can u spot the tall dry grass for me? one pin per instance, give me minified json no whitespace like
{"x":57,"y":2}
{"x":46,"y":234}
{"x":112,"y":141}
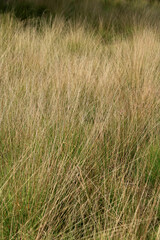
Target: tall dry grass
{"x":79,"y":132}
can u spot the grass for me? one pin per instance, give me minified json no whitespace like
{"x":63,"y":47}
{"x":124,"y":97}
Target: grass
{"x":79,"y":126}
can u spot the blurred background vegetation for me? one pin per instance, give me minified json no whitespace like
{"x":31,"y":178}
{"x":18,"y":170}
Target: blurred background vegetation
{"x":105,"y":16}
{"x":24,"y":9}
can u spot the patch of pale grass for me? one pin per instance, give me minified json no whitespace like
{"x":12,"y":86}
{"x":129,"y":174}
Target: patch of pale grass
{"x":79,"y":133}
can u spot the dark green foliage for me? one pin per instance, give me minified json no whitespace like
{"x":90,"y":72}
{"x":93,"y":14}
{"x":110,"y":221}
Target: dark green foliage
{"x":23,"y":10}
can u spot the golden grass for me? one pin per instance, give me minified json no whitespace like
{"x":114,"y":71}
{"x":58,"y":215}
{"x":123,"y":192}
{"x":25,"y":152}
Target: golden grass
{"x":79,"y":132}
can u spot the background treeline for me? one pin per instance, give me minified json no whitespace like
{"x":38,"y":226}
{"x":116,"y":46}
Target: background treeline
{"x":29,"y":8}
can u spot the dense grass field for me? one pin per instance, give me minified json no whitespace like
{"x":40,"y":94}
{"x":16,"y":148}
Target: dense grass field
{"x":80,"y":124}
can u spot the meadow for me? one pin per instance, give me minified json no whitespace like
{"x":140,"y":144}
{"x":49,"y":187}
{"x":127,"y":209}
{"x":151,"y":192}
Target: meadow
{"x":80,"y":122}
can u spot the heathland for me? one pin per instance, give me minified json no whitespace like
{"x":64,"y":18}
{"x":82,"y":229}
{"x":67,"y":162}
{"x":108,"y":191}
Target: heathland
{"x":80,"y":121}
